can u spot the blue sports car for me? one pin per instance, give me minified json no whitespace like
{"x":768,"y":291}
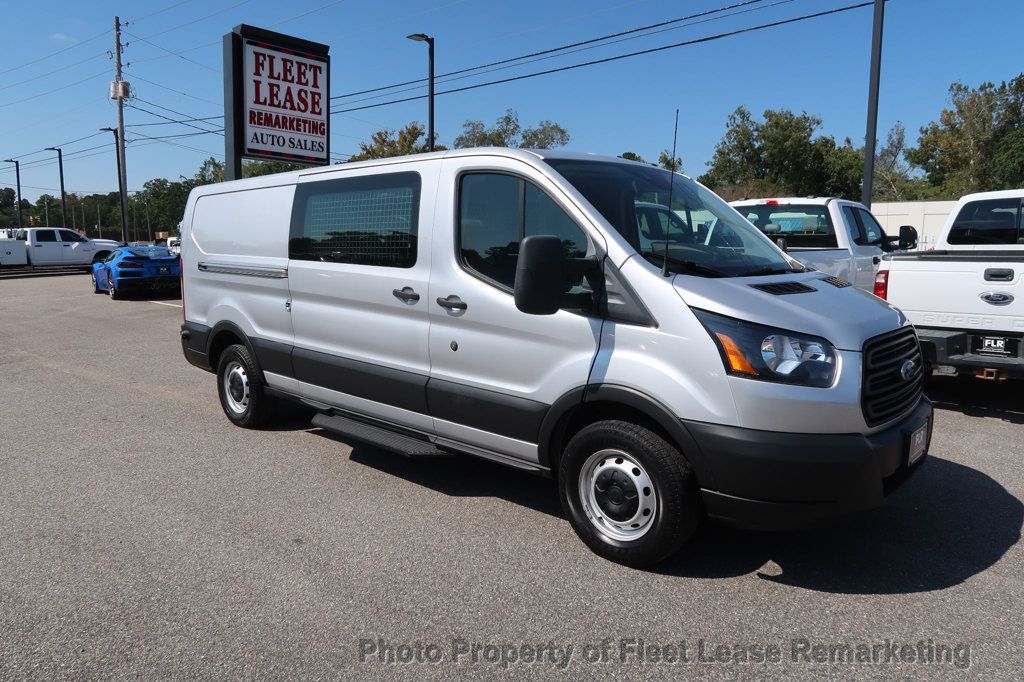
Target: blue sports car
{"x":136,"y":269}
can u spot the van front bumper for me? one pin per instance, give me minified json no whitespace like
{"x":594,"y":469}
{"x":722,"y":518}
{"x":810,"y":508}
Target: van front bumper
{"x":768,"y":480}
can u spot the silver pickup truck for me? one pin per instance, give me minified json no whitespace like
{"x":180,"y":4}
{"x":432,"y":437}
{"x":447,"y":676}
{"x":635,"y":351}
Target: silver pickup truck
{"x":835,"y":236}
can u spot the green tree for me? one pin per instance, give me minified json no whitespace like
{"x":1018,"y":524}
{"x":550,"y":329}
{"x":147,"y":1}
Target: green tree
{"x":632,"y":156}
{"x":971,"y":147}
{"x":508,"y":132}
{"x":668,"y":162}
{"x":387,"y":143}
{"x":782,"y":155}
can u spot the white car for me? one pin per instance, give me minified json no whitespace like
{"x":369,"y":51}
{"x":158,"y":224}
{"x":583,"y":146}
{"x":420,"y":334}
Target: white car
{"x":836,"y":236}
{"x":966,"y":297}
{"x":505,"y":304}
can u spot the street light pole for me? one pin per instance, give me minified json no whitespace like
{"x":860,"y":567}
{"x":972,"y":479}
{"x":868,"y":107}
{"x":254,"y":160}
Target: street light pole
{"x":17,"y":175}
{"x":424,"y":38}
{"x":121,"y":186}
{"x":63,"y":196}
{"x":872,"y":131}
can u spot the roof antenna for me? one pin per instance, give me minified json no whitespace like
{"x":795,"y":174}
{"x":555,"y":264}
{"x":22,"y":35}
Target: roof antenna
{"x":671,"y":184}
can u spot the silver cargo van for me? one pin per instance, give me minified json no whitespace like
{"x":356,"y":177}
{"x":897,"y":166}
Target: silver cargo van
{"x":517,"y":306}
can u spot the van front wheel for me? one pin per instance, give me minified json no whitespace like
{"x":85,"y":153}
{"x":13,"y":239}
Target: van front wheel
{"x":629,"y":495}
{"x":240,"y":387}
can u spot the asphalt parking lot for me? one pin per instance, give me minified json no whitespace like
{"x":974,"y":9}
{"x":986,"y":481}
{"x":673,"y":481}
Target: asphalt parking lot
{"x":143,"y":535}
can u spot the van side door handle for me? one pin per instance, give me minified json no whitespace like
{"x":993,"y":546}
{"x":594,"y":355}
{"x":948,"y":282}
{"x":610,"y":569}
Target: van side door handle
{"x":452,"y":302}
{"x":406,"y":294}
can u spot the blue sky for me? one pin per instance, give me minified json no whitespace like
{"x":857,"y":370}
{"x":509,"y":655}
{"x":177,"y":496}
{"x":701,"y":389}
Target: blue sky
{"x":819,"y":66}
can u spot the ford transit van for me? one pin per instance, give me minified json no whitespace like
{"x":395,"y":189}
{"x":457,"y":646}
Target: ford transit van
{"x":531,"y":308}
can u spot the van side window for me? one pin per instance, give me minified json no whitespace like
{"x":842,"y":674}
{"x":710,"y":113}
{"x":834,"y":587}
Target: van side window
{"x":369,"y":220}
{"x":495,"y":212}
{"x":990,"y":221}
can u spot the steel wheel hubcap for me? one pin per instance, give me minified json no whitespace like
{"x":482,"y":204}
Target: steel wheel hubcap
{"x":617,"y":495}
{"x":236,"y":388}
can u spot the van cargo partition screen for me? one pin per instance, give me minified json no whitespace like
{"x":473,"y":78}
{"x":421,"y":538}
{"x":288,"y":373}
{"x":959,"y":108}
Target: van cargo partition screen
{"x":276,"y":99}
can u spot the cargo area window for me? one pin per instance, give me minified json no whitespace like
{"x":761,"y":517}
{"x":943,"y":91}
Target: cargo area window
{"x":495,"y":212}
{"x":368,"y":220}
{"x":991,"y":221}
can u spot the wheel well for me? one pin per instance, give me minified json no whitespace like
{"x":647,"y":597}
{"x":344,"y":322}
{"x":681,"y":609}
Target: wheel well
{"x":591,"y":412}
{"x":221,"y":340}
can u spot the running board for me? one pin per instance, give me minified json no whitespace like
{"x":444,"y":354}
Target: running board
{"x":376,"y":436}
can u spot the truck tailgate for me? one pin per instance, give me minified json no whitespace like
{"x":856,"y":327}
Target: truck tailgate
{"x":959,"y":290}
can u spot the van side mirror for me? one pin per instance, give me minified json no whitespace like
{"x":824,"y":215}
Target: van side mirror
{"x":908,"y":238}
{"x":540,"y":275}
{"x":782,"y":243}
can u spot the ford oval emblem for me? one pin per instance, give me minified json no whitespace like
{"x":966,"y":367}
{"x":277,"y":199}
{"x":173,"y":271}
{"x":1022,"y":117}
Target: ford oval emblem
{"x":907,"y":370}
{"x":997,"y":298}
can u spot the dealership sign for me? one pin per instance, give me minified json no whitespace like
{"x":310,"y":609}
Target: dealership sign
{"x":276,"y":98}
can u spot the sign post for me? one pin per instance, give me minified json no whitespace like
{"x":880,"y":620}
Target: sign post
{"x":276,"y":99}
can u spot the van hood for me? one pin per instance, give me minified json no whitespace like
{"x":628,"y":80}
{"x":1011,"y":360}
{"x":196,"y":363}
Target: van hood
{"x":845,"y":316}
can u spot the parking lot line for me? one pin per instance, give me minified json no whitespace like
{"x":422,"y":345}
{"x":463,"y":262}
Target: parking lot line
{"x":173,"y":305}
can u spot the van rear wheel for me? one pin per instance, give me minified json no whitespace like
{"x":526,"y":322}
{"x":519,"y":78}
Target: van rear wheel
{"x":629,"y":495}
{"x":241,"y":389}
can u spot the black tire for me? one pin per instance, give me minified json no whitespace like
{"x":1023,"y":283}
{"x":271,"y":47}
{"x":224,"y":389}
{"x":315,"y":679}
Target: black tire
{"x":115,"y":295}
{"x":259,"y":407}
{"x":676,"y":512}
{"x":95,"y":287}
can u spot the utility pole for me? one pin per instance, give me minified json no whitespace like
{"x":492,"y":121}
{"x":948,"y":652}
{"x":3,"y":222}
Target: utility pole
{"x":46,"y":210}
{"x":99,"y":224}
{"x":872,"y":131}
{"x":120,"y":183}
{"x":429,"y":40}
{"x":74,"y":223}
{"x":17,"y":175}
{"x":119,"y":90}
{"x":63,"y":196}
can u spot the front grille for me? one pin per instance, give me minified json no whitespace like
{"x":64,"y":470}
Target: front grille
{"x":886,"y":393}
{"x":783,"y":288}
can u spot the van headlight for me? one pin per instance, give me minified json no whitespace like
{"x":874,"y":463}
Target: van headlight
{"x":758,"y":352}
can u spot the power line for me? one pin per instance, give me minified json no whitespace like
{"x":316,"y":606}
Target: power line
{"x":80,"y":43}
{"x":557,"y":49}
{"x":690,"y":24}
{"x":627,"y":55}
{"x":160,"y":11}
{"x":54,"y":53}
{"x":59,"y":144}
{"x":58,"y":89}
{"x":172,"y":53}
{"x":167,"y":123}
{"x":178,"y":144}
{"x":169,"y":119}
{"x":136,"y":76}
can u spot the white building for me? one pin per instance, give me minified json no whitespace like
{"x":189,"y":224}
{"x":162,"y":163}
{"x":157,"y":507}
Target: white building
{"x":927,"y":216}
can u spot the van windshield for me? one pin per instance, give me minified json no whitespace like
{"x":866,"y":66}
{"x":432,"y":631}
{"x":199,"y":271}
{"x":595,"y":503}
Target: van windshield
{"x":699,"y":235}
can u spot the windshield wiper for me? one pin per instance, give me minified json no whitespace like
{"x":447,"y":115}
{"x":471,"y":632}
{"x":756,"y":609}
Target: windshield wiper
{"x":770,"y":270}
{"x":689,"y":267}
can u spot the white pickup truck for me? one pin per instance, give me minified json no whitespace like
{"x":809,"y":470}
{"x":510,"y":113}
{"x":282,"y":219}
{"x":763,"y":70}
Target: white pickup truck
{"x":966,"y":297}
{"x":835,"y":236}
{"x":52,"y":247}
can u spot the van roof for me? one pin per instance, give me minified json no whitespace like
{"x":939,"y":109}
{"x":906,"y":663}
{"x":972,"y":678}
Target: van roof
{"x":290,"y":177}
